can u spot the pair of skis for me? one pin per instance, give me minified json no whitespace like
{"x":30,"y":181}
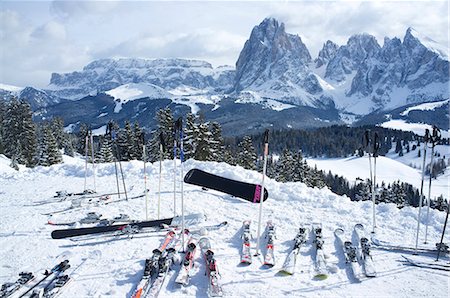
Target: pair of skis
{"x":51,"y":284}
{"x":93,"y":218}
{"x":359,"y":256}
{"x":246,"y":255}
{"x":10,"y":288}
{"x":320,"y":263}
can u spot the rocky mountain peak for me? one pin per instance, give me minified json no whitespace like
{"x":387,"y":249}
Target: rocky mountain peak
{"x":327,"y":53}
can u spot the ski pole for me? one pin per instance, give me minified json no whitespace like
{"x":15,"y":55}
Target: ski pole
{"x":109,"y":131}
{"x":443,"y":232}
{"x":86,"y":144}
{"x":261,"y":196}
{"x":174,"y":169}
{"x":161,"y":150}
{"x":144,"y":157}
{"x":376,"y":147}
{"x":426,"y":138}
{"x":434,"y":140}
{"x":93,"y":160}
{"x":180,"y":128}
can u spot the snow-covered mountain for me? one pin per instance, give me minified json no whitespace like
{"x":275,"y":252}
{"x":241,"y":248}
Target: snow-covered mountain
{"x":106,"y":74}
{"x":37,"y":98}
{"x":274,"y":73}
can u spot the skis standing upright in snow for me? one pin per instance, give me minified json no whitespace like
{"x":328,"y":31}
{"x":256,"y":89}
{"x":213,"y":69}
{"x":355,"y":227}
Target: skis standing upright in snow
{"x":214,"y":286}
{"x":350,"y":253}
{"x":246,"y":257}
{"x":364,"y":246}
{"x":269,"y":256}
{"x":291,"y":259}
{"x":320,"y":262}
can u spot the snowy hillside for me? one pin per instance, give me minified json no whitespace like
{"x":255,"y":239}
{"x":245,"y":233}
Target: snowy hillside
{"x":108,"y":266}
{"x":390,"y":168}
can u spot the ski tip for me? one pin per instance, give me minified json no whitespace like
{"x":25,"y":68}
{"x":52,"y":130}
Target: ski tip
{"x":339,"y":232}
{"x":321,"y":276}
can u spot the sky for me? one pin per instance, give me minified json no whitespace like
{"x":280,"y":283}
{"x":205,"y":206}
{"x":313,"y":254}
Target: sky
{"x":38,"y":38}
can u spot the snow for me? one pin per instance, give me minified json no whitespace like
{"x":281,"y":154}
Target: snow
{"x":108,"y":266}
{"x":430,"y":44}
{"x":390,"y":168}
{"x":425,"y":107}
{"x":99,"y":131}
{"x":417,"y":128}
{"x":10,"y":88}
{"x":133,"y":91}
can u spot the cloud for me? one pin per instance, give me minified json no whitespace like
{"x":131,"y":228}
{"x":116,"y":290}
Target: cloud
{"x":50,"y":31}
{"x":66,"y":10}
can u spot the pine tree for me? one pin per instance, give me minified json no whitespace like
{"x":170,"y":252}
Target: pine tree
{"x":190,"y":136}
{"x":165,"y":124}
{"x":217,"y":142}
{"x":247,"y":154}
{"x":106,"y":152}
{"x":139,"y":140}
{"x":204,"y":140}
{"x":285,"y":167}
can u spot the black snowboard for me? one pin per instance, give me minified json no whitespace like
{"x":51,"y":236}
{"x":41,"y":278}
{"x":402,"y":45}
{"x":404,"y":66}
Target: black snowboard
{"x":247,"y":191}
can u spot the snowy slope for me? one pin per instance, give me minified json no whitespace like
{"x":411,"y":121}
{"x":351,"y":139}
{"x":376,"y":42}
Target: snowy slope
{"x":107,"y":266}
{"x":390,"y":168}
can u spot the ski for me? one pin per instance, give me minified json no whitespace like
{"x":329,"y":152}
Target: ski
{"x":129,"y":228}
{"x":53,"y":288}
{"x":214,"y":287}
{"x":247,"y":191}
{"x":187,"y":263}
{"x":269,"y":257}
{"x":151,"y":266}
{"x":11,"y":287}
{"x":443,"y":248}
{"x":291,"y":259}
{"x":246,"y":256}
{"x":365,"y":253}
{"x":351,"y":257}
{"x":165,"y":262}
{"x":320,"y":262}
{"x":61,"y":267}
{"x":429,"y":265}
{"x":92,"y":218}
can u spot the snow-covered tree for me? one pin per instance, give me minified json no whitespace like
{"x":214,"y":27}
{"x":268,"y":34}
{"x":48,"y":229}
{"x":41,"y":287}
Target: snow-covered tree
{"x":247,"y":154}
{"x":217,"y":142}
{"x":190,"y":136}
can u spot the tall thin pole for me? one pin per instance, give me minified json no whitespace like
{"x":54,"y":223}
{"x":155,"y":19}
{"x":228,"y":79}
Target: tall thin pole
{"x":261,"y":196}
{"x":161,"y":151}
{"x":174,"y":177}
{"x":443,"y":232}
{"x":86,"y":143}
{"x":93,"y":160}
{"x":109,"y":132}
{"x":376,"y":147}
{"x":427,"y":136}
{"x":180,"y":129}
{"x":434,"y":140}
{"x":144,"y":157}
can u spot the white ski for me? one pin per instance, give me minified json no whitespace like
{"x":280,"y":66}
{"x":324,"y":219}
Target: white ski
{"x":291,"y":259}
{"x":320,"y":262}
{"x":246,"y":256}
{"x":350,"y":254}
{"x":269,"y":257}
{"x":364,"y":249}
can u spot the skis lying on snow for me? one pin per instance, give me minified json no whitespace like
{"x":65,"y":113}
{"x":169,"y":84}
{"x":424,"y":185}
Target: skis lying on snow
{"x":291,"y":259}
{"x":247,"y":191}
{"x":53,"y":274}
{"x":76,"y":203}
{"x":365,"y":253}
{"x":320,"y":262}
{"x":214,"y":287}
{"x":430,"y":265}
{"x":246,"y":256}
{"x":349,"y":250}
{"x":152,"y":266}
{"x":444,"y":248}
{"x":129,"y":228}
{"x":10,"y":288}
{"x":269,"y":257}
{"x":93,"y":218}
{"x":187,"y":263}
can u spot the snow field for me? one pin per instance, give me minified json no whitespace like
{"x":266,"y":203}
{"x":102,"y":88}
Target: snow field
{"x":108,"y":266}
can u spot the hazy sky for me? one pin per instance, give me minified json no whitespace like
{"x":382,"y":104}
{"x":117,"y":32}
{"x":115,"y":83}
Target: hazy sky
{"x":41,"y":37}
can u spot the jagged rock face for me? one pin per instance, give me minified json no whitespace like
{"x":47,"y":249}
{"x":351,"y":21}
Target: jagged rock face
{"x":349,"y":57}
{"x":327,"y":53}
{"x":409,"y":65}
{"x":106,"y":74}
{"x":274,"y":63}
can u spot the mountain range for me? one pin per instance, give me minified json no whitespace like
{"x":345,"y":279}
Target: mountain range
{"x":275,"y":83}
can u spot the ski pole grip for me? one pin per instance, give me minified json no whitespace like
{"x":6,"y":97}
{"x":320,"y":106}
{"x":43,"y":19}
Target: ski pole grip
{"x":266,"y":136}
